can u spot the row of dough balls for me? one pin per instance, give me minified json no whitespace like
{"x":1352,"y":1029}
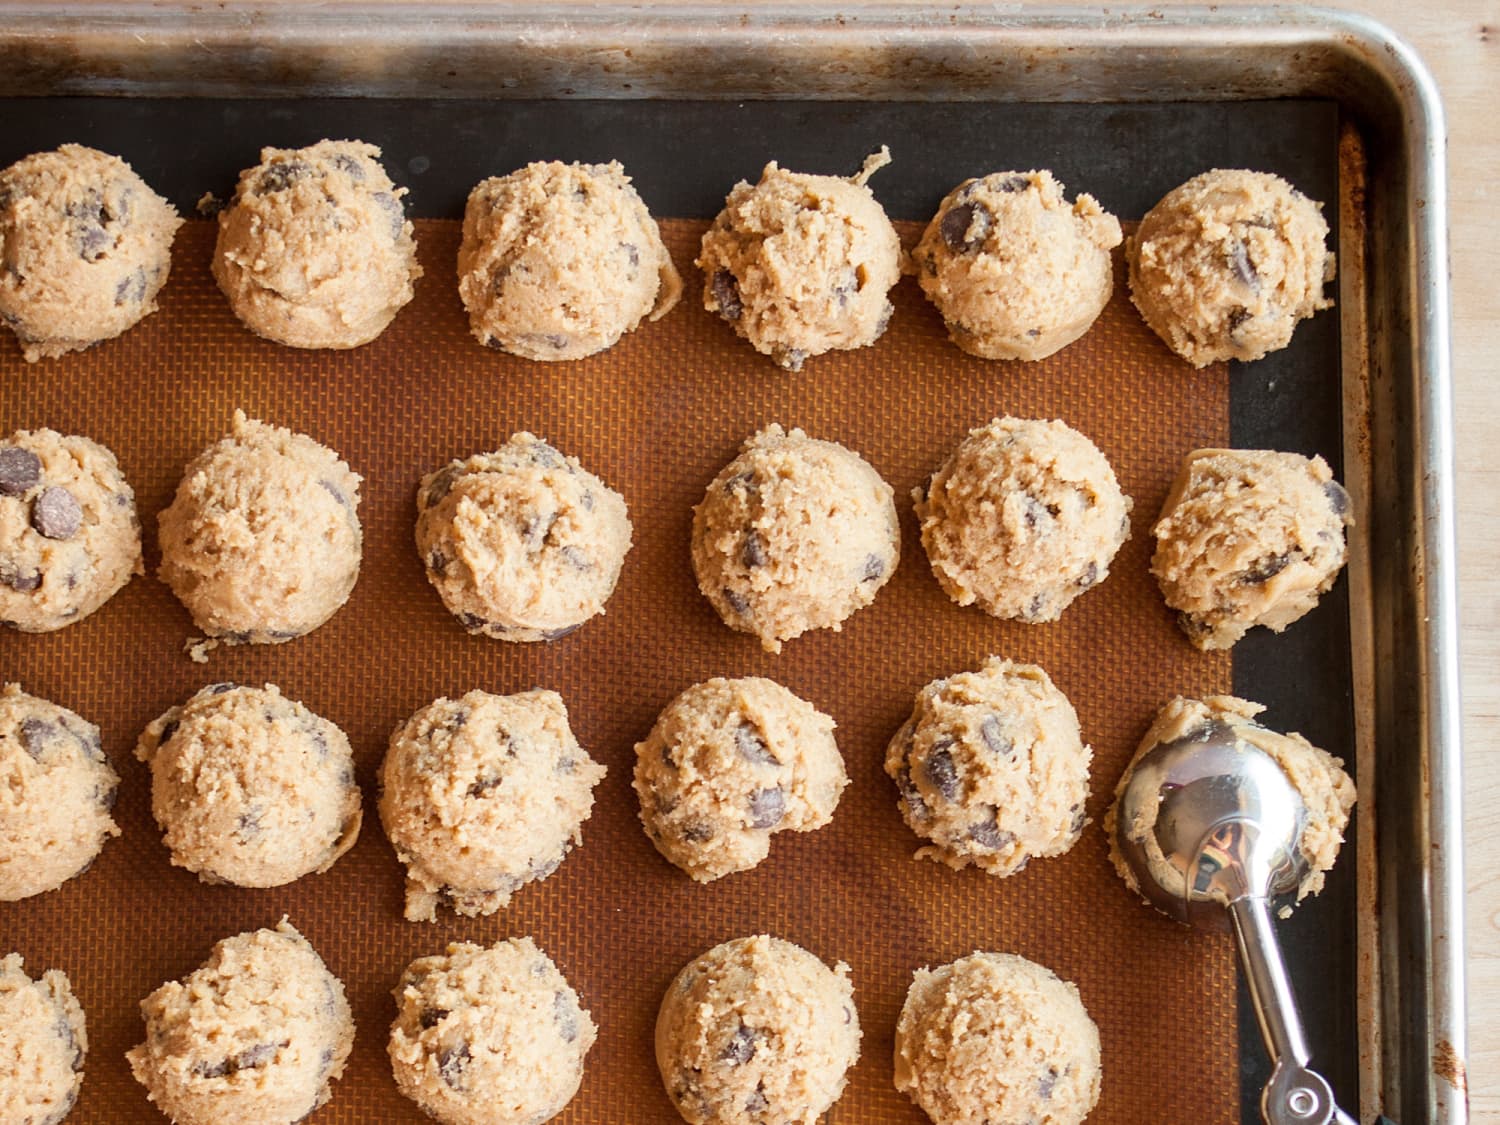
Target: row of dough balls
{"x":262,"y":542}
{"x":558,"y":261}
{"x":754,"y":1031}
{"x":486,"y":793}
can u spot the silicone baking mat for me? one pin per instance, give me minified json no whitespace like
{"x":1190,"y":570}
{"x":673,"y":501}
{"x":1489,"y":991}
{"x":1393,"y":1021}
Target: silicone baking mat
{"x":655,"y":417}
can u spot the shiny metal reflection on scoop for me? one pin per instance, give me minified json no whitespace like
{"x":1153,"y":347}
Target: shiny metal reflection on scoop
{"x":1226,"y":827}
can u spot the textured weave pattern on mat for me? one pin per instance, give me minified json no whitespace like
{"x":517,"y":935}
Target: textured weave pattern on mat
{"x":656,"y":417}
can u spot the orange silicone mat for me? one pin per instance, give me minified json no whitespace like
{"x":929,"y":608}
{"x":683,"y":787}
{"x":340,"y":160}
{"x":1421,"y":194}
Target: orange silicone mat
{"x":655,"y":417}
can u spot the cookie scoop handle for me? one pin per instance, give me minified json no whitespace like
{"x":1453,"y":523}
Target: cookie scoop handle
{"x":1295,"y":1095}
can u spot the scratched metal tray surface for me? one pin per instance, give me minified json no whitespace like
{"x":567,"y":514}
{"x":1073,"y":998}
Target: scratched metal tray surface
{"x":1327,"y":98}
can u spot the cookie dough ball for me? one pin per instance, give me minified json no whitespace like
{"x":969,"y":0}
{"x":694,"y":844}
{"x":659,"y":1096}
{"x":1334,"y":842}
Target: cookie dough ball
{"x":42,"y":1045}
{"x":730,"y":762}
{"x":1022,"y":518}
{"x":69,"y":535}
{"x":1326,"y":790}
{"x":1017,"y":271}
{"x":482,"y":795}
{"x":250,"y":788}
{"x":757,"y":1031}
{"x":522,"y":544}
{"x":800,"y":264}
{"x":1248,"y":537}
{"x":315,"y":250}
{"x":1227,"y":264}
{"x":794,"y":534}
{"x":262,"y":541}
{"x":560,"y":260}
{"x":254,"y":1036}
{"x":56,"y":793}
{"x":491,"y":1036}
{"x":85,"y":246}
{"x":996,"y":1038}
{"x":992,"y":769}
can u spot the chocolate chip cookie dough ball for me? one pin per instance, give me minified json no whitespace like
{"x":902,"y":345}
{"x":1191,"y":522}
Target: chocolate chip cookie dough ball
{"x":315,"y":250}
{"x":85,"y":246}
{"x":69,"y":535}
{"x":801,"y":264}
{"x":794,"y":534}
{"x":491,"y":1036}
{"x":992,"y":768}
{"x":994,"y":1037}
{"x":482,"y":795}
{"x":254,"y":1036}
{"x":1327,"y":792}
{"x":1022,"y":518}
{"x":1017,"y":271}
{"x":43,"y":1042}
{"x":1248,"y":537}
{"x":251,"y":788}
{"x":1227,"y":264}
{"x":56,"y":793}
{"x":262,"y":541}
{"x":522,"y":544}
{"x":560,"y":260}
{"x":757,"y":1031}
{"x":728,"y":763}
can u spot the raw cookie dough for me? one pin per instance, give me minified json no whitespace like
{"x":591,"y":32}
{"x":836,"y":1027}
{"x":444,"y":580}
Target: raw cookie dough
{"x":69,"y":535}
{"x":482,"y":795}
{"x":794,"y":534}
{"x":250,"y":788}
{"x":56,"y":793}
{"x":85,"y":246}
{"x":992,"y":768}
{"x":491,"y":1036}
{"x":42,"y":1045}
{"x":998,"y":1039}
{"x":757,"y":1031}
{"x":801,"y":264}
{"x":262,"y":542}
{"x":315,"y":251}
{"x":1017,"y":271}
{"x":253,"y":1036}
{"x":1022,"y":518}
{"x":728,"y":763}
{"x":1317,"y":775}
{"x":560,"y":260}
{"x":1248,"y":537}
{"x":522,"y":544}
{"x":1227,"y":264}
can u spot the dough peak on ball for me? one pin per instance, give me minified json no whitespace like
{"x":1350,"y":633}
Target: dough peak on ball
{"x":559,"y":261}
{"x":85,"y":247}
{"x":1227,"y":264}
{"x":1016,"y":270}
{"x":801,"y":264}
{"x":1248,"y":537}
{"x":315,"y":250}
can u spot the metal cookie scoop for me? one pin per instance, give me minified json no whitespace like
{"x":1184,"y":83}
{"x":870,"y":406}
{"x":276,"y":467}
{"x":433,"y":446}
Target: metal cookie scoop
{"x":1208,"y":822}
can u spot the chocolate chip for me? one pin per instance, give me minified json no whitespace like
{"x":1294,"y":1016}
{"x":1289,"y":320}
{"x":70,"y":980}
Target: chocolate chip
{"x":754,"y":553}
{"x":566,"y":1016}
{"x":249,"y":824}
{"x":1047,"y":1083}
{"x":35,"y":734}
{"x":494,"y":342}
{"x":911,"y":795}
{"x":535,"y":528}
{"x":667,"y":759}
{"x":1193,"y":626}
{"x":751,"y":744}
{"x":20,"y":470}
{"x":221,"y":1069}
{"x":252,"y":1057}
{"x":1080,"y":818}
{"x":472,"y":621}
{"x":789,"y":358}
{"x":282,"y":175}
{"x":440,"y":485}
{"x":451,"y":1063}
{"x":992,"y":730}
{"x":555,"y":340}
{"x":56,"y":514}
{"x":221,"y":688}
{"x":1009,"y":184}
{"x":559,"y":634}
{"x":737,"y":601}
{"x":394,"y":214}
{"x":874,"y":568}
{"x":959,"y":221}
{"x":335,"y":491}
{"x":740,"y":1048}
{"x":697,"y":833}
{"x":1237,"y":317}
{"x":577,"y":558}
{"x":485,"y":784}
{"x":767,"y":807}
{"x":756,"y":1102}
{"x":1035,"y":510}
{"x":131,"y":289}
{"x":167,"y":732}
{"x":633,"y":252}
{"x":546,"y":454}
{"x":1035,"y":610}
{"x":351,"y":166}
{"x":726,"y":290}
{"x":21,"y":581}
{"x":431,"y":1017}
{"x":1338,"y":498}
{"x":1266,"y":569}
{"x":1090,"y":576}
{"x":1243,"y":267}
{"x":846,"y":285}
{"x":942,"y":772}
{"x":742,"y":482}
{"x":93,"y":241}
{"x":988,"y":834}
{"x":437,"y":562}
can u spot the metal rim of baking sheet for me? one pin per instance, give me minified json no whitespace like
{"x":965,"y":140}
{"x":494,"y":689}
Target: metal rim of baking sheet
{"x":1397,"y":376}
